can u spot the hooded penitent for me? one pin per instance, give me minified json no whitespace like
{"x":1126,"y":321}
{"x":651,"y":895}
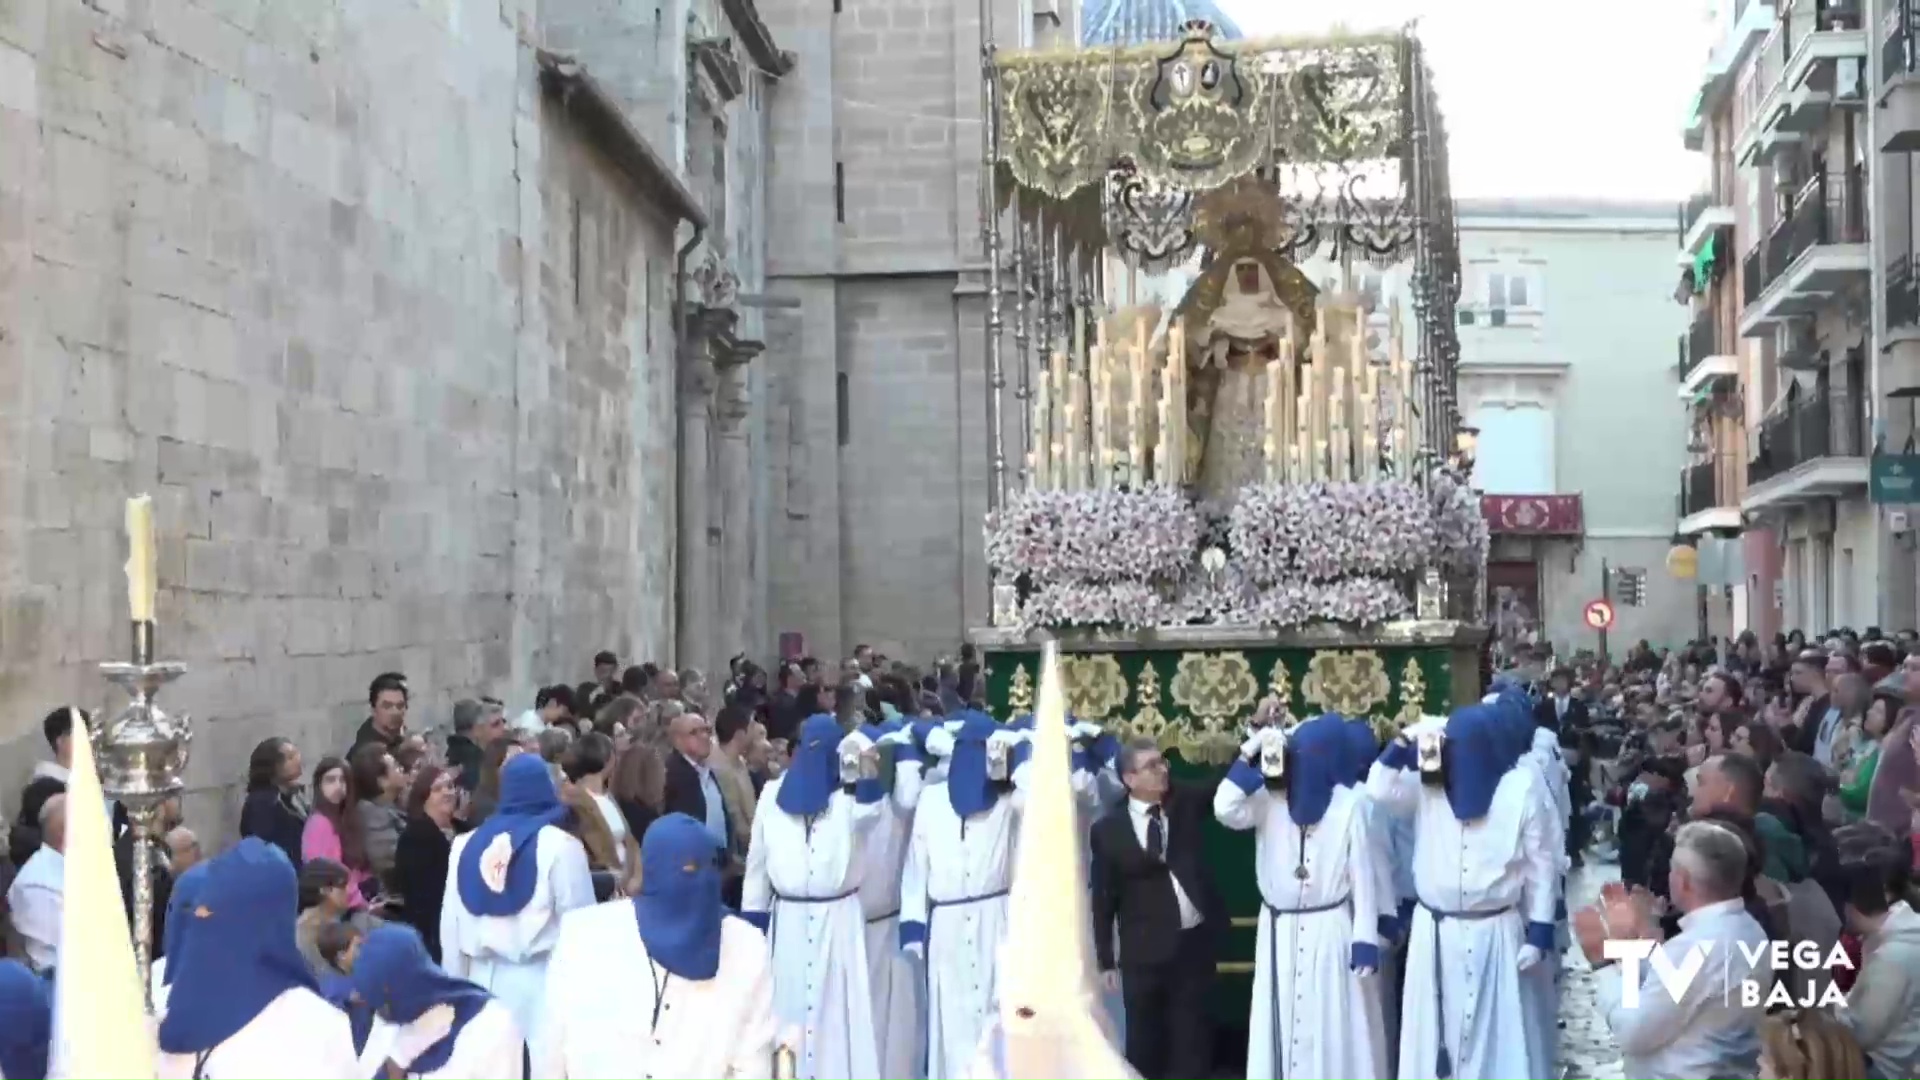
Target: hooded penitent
{"x":528,"y":803}
{"x":239,"y":953}
{"x":968,"y":787}
{"x":679,"y":905}
{"x":26,"y":1021}
{"x":396,"y":978}
{"x":1362,"y":748}
{"x":1317,"y":762}
{"x":186,"y":893}
{"x":814,"y":773}
{"x":1480,"y":747}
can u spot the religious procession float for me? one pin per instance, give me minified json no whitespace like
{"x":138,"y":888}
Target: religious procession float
{"x":1234,"y":467}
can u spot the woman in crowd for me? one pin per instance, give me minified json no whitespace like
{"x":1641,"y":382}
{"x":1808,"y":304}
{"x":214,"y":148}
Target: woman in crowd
{"x":597,"y":819}
{"x":333,"y":830}
{"x":380,"y":785}
{"x":276,"y":808}
{"x":1758,"y":741}
{"x":420,"y":860}
{"x":1856,"y":779}
{"x":1883,"y":1007}
{"x":324,"y":902}
{"x":638,"y":787}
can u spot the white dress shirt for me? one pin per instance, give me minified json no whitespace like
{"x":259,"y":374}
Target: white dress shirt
{"x":36,"y":899}
{"x":1708,"y":1032}
{"x":716,"y":822}
{"x":1137,"y":810}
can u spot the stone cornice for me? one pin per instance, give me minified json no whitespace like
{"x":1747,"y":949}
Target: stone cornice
{"x":756,"y":38}
{"x":607,"y":126}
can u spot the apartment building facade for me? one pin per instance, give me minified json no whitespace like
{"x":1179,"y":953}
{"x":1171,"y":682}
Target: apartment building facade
{"x":1780,"y":374}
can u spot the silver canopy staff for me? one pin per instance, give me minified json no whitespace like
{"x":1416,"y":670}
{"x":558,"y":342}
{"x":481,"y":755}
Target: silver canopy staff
{"x":804,"y":868}
{"x":1481,"y":851}
{"x":1316,"y":1011}
{"x":509,"y":882}
{"x":694,"y":999}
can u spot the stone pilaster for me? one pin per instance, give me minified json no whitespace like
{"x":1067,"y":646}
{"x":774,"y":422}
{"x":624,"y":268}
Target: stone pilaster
{"x":734,"y":489}
{"x":696,"y":608}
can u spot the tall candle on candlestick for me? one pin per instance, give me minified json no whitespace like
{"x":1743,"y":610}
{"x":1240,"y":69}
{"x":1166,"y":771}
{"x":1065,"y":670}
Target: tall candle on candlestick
{"x":1102,"y":406}
{"x":1038,"y":458}
{"x":143,"y":584}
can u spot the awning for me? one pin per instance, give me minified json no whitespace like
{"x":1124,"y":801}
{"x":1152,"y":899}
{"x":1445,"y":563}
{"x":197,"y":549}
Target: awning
{"x":1533,"y":515}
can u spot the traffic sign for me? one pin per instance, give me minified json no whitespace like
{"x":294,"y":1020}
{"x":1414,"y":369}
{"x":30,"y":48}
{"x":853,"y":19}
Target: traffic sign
{"x":1599,"y":614}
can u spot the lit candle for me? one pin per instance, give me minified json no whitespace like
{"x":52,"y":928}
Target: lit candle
{"x":142,"y":558}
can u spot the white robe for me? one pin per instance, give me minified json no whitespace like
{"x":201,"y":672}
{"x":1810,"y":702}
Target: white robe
{"x":1328,"y":1015}
{"x":602,"y":994}
{"x":298,"y":1036}
{"x":956,"y":883}
{"x":809,"y":879}
{"x":1503,"y":861}
{"x":1540,"y":984}
{"x":893,"y":976}
{"x":507,"y":955}
{"x":489,"y":1047}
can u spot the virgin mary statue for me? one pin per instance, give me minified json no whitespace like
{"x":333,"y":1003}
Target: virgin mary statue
{"x":1243,"y":305}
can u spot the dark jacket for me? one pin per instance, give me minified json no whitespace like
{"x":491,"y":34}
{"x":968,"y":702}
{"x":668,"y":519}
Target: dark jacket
{"x":684,"y":795}
{"x":1135,"y":890}
{"x":1546,"y":716}
{"x":420,"y":877}
{"x":23,"y":839}
{"x":271,"y":816}
{"x":639,"y":817}
{"x":464,"y":754}
{"x":370,"y":734}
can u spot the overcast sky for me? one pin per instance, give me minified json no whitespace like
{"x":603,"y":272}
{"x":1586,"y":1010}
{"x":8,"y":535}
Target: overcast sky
{"x":1544,"y":97}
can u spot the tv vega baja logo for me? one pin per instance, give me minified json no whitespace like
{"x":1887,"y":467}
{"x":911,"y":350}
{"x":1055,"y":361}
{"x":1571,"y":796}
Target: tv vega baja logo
{"x":1769,"y":956}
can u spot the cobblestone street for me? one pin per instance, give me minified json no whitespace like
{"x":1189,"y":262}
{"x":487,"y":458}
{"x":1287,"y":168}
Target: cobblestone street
{"x":1586,"y":1047}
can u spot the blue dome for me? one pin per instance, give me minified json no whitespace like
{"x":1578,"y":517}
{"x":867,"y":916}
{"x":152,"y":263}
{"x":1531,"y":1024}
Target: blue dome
{"x":1139,"y":22}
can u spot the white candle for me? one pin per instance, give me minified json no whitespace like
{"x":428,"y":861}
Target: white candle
{"x":143,"y":585}
{"x":1038,"y":458}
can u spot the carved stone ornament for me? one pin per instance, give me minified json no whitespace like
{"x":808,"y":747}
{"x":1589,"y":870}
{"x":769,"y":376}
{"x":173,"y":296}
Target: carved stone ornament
{"x":719,"y":286}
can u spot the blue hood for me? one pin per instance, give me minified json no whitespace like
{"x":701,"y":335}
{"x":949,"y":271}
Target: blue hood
{"x":1478,"y":751}
{"x":968,"y":788}
{"x":814,"y":773}
{"x":528,"y":803}
{"x":394,"y":976}
{"x":1361,"y":748}
{"x":679,"y":905}
{"x":239,"y":954}
{"x":1318,"y":756}
{"x":26,"y":1021}
{"x":186,"y":893}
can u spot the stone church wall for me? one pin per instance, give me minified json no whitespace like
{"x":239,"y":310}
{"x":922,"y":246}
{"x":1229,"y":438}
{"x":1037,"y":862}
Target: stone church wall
{"x":388,"y":346}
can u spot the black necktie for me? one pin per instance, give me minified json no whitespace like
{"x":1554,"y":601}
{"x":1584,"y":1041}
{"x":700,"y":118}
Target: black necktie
{"x":1156,"y":834}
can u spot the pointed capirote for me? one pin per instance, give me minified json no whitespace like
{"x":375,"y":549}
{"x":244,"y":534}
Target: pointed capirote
{"x":1050,"y":1022}
{"x":101,"y":1030}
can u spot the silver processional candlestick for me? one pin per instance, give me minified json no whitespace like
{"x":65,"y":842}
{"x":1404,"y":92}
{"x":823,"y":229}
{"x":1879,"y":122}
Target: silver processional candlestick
{"x":142,"y":753}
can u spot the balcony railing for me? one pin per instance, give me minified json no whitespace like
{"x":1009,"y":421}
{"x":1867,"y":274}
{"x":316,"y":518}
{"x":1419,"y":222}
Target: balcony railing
{"x":1702,"y":341}
{"x":1903,"y":293}
{"x":1829,"y":209}
{"x":1691,"y":210}
{"x":1807,"y":427}
{"x":1808,"y":16}
{"x":1699,"y":488}
{"x":1899,"y":56}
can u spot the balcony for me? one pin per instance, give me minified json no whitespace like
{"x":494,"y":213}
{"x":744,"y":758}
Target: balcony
{"x":1899,"y":97}
{"x":1751,"y":21}
{"x":1706,"y":504}
{"x":1702,"y":217}
{"x":1903,"y":299}
{"x":1817,"y":249}
{"x":1705,"y":360}
{"x":1812,"y":446}
{"x":1814,"y":59}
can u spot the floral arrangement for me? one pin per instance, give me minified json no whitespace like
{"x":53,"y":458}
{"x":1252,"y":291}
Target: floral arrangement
{"x":1293,"y":553}
{"x":1056,"y":537}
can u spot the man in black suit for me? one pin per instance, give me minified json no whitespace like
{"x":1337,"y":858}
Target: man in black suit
{"x":1150,"y":875}
{"x":1559,"y":709}
{"x":691,"y":787}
